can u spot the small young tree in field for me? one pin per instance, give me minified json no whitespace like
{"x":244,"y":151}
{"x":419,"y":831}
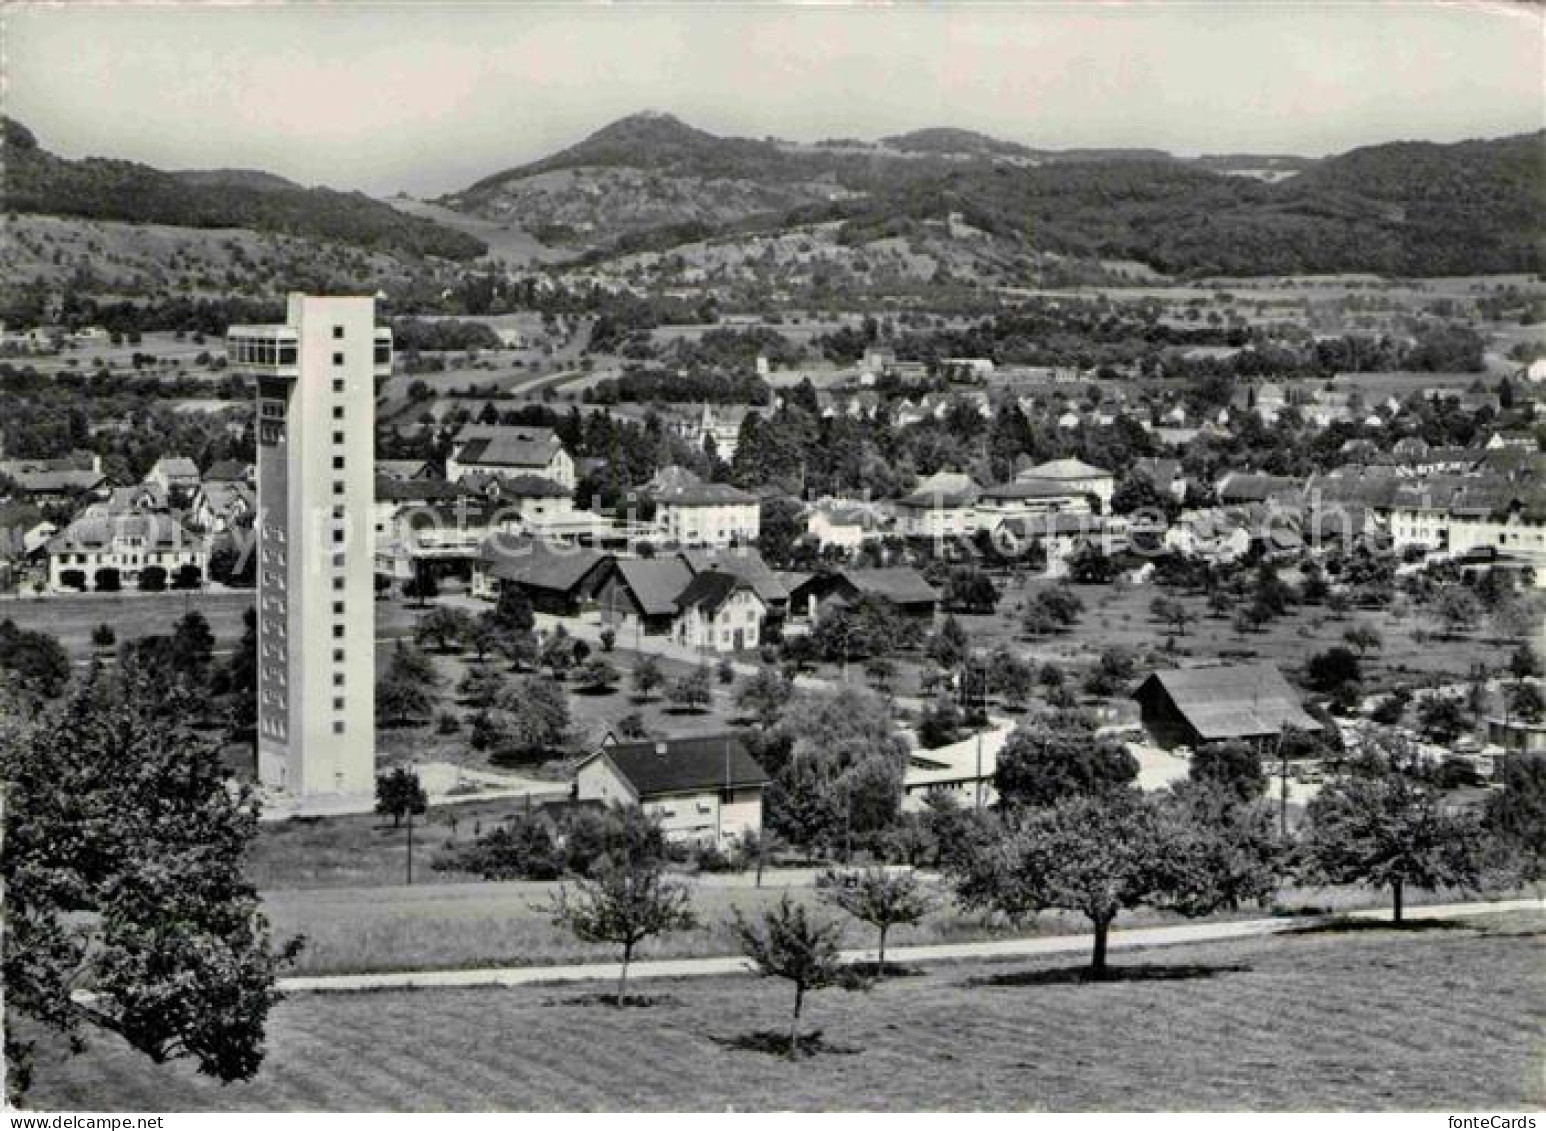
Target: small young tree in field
{"x":692,"y":691}
{"x":1380,"y":827}
{"x":647,"y":678}
{"x":881,"y":898}
{"x":624,"y":906}
{"x":786,"y":942}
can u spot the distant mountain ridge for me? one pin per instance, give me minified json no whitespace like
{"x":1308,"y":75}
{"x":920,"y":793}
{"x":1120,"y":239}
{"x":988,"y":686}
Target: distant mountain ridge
{"x":42,"y":183}
{"x":1403,"y":208}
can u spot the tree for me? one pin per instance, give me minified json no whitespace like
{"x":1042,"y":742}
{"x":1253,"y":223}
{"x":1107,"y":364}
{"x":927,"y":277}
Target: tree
{"x":513,"y":611}
{"x":400,"y":794}
{"x":1441,"y":718}
{"x":763,"y":696}
{"x":1102,"y":853}
{"x":193,"y":648}
{"x":1088,"y":565}
{"x":949,"y":646}
{"x":598,"y":675}
{"x":108,"y":580}
{"x":1525,"y":702}
{"x":1138,"y":493}
{"x":405,"y":692}
{"x":881,"y":897}
{"x":422,"y":586}
{"x":1516,"y":814}
{"x":1454,"y":609}
{"x":1057,"y":756}
{"x":1330,"y":671}
{"x":692,"y":691}
{"x":1010,"y":678}
{"x":782,"y":525}
{"x":786,"y":942}
{"x":1364,"y":638}
{"x":123,"y":870}
{"x":1379,"y":827}
{"x":103,"y":636}
{"x":970,"y":590}
{"x":442,"y":629}
{"x":1051,"y":610}
{"x":1234,"y":767}
{"x":1523,"y":663}
{"x":624,"y":905}
{"x":153,"y":579}
{"x":480,"y":687}
{"x":1171,"y":611}
{"x":647,"y":677}
{"x":530,"y":717}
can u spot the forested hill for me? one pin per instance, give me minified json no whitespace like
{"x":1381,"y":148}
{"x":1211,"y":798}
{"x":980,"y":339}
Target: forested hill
{"x":1405,"y":208}
{"x":39,"y":182}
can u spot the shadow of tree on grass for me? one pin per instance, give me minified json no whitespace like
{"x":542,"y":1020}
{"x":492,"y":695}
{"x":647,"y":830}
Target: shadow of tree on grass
{"x":776,"y":1043}
{"x":631,"y":1001}
{"x":1083,"y":975}
{"x":1346,"y":926}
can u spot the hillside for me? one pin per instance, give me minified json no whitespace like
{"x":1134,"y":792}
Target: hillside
{"x":38,"y":182}
{"x":651,"y":182}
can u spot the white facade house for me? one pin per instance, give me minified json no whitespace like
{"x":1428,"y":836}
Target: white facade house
{"x":1027,"y":498}
{"x":315,"y":379}
{"x":703,"y":790}
{"x":1075,"y":475}
{"x":719,"y":612}
{"x":844,"y":525}
{"x":707,"y":514}
{"x":126,"y":543}
{"x":936,"y":513}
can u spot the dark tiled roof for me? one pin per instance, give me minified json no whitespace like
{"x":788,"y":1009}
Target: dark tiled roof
{"x":1029,"y":489}
{"x":688,"y":765}
{"x":537,"y":564}
{"x":507,"y":446}
{"x":901,"y":584}
{"x":655,"y":582}
{"x":703,"y":495}
{"x":744,"y":563}
{"x":417,"y":490}
{"x":710,"y":590}
{"x":1239,"y":701}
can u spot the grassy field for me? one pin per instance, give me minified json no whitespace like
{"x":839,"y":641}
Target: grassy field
{"x":1119,"y":615}
{"x":1437,"y":1019}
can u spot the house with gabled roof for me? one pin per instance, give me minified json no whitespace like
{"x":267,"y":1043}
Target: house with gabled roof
{"x":557,"y":578}
{"x":719,"y":612}
{"x":903,"y":587}
{"x":108,"y":552}
{"x":1077,"y":476}
{"x":178,"y":476}
{"x":704,"y":789}
{"x":510,"y":449}
{"x":1238,"y":702}
{"x":638,"y":595}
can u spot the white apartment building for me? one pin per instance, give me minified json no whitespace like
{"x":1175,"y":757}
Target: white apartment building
{"x":316,"y":618}
{"x":707,"y":514}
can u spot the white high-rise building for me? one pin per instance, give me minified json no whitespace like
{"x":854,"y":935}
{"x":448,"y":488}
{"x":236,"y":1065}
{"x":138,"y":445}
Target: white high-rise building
{"x":316,"y":618}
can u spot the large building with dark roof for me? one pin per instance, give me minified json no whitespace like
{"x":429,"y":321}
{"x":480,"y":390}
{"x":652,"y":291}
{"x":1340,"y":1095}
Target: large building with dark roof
{"x":507,"y":449}
{"x":1191,"y":706}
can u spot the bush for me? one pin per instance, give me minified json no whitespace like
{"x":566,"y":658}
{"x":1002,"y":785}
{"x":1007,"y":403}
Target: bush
{"x":152,"y":579}
{"x":108,"y":580}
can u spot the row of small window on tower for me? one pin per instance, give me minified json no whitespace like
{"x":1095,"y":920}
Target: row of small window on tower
{"x":338,"y":558}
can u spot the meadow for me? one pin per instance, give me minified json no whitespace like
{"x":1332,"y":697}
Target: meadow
{"x":1449,"y":1018}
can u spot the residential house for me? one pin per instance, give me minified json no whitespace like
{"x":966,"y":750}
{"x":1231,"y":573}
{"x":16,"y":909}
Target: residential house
{"x":220,"y":504}
{"x":719,"y":612}
{"x":705,"y":789}
{"x":844,"y":524}
{"x":178,"y":476}
{"x":511,"y":450}
{"x":63,"y":477}
{"x":707,"y":514}
{"x":1247,"y":702}
{"x":937,"y":512}
{"x":1027,"y":498}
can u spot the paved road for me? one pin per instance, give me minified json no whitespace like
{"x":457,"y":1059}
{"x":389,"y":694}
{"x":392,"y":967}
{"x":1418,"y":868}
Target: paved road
{"x":1005,"y":948}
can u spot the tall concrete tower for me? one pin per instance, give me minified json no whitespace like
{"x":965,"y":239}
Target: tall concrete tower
{"x":316,"y":591}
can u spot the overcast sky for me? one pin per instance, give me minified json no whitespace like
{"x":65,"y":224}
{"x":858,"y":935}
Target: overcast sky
{"x":429,"y":98}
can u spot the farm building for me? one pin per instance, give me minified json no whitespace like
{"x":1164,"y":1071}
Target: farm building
{"x":556,"y":579}
{"x":1188,"y":707}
